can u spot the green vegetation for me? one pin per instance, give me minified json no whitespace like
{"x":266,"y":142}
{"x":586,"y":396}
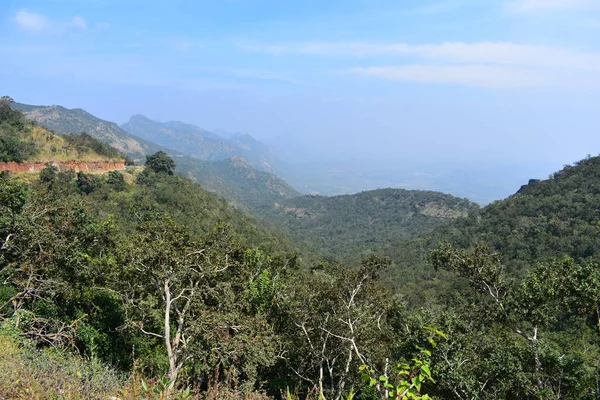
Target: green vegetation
{"x":160,"y":162}
{"x":13,"y":147}
{"x":141,"y":284}
{"x":351,"y":227}
{"x":550,"y":218}
{"x":236,"y":181}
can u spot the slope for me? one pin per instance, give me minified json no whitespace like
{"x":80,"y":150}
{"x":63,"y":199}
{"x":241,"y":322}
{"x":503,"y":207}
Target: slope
{"x":25,"y":141}
{"x":350,"y":227}
{"x":200,"y":143}
{"x":63,"y":121}
{"x":544,"y":219}
{"x":246,"y":188}
{"x":235,"y":180}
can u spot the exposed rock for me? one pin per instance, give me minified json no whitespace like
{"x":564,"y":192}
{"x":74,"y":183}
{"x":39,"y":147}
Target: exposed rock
{"x":93,"y":166}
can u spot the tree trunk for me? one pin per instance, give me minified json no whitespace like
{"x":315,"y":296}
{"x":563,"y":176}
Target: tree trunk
{"x":173,"y":368}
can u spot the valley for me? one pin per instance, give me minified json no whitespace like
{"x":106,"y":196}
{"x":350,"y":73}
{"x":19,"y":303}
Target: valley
{"x":200,"y":272}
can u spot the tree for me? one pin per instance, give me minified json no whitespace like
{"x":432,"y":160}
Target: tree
{"x":336,"y":322}
{"x":166,"y":274}
{"x":555,"y":292}
{"x":116,"y":180}
{"x":160,"y":162}
{"x":48,"y":174}
{"x":88,"y":183}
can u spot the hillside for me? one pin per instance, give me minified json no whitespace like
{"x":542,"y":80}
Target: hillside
{"x":238,"y":183}
{"x":23,"y":141}
{"x":200,"y":143}
{"x":64,"y":121}
{"x":350,"y":227}
{"x":235,"y":180}
{"x":545,"y":218}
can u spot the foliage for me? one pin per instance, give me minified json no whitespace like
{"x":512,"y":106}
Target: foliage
{"x":177,"y":290}
{"x":49,"y":173}
{"x":87,"y":183}
{"x":84,"y":143}
{"x":160,"y":162}
{"x":12,"y":146}
{"x":30,"y":373}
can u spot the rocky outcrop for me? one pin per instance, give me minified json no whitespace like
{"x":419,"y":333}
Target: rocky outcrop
{"x":84,"y":166}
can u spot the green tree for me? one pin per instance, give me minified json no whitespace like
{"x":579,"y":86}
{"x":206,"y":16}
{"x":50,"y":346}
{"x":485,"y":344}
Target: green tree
{"x":336,"y":321}
{"x":49,"y":173}
{"x":552,"y":293}
{"x":88,"y":183}
{"x":160,"y":162}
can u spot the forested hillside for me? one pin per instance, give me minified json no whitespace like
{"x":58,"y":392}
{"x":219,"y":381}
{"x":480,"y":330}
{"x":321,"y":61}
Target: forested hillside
{"x":549,"y":218}
{"x":351,"y":227}
{"x":141,"y":284}
{"x":237,"y":182}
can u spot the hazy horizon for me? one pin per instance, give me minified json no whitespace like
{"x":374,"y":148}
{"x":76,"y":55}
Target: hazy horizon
{"x":508,"y":89}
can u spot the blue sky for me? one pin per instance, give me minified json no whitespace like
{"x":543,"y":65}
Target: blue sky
{"x":493,"y":82}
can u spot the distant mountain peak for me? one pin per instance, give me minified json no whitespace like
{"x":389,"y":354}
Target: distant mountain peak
{"x":140,"y":117}
{"x":197,"y":142}
{"x":239,"y":161}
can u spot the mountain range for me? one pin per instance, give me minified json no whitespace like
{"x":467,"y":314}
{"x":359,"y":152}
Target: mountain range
{"x":239,"y":169}
{"x":202,"y":144}
{"x":232,"y":177}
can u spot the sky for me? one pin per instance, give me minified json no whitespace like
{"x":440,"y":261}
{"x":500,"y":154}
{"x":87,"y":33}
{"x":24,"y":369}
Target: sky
{"x":487,"y":84}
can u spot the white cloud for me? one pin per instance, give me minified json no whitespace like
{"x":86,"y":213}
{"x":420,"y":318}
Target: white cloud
{"x":532,"y":6}
{"x":467,"y":75}
{"x":80,"y":23}
{"x":32,"y":22}
{"x":489,"y":64}
{"x":503,"y":53}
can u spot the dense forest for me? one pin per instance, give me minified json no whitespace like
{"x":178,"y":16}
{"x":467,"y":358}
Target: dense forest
{"x":141,"y":284}
{"x":351,"y":227}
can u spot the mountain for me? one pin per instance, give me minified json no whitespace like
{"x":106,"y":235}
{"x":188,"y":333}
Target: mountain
{"x":200,"y":143}
{"x":350,"y":227}
{"x":234,"y":180}
{"x":63,"y":121}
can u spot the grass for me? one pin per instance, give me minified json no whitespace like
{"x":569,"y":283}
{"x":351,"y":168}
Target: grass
{"x":30,"y":373}
{"x":53,"y":147}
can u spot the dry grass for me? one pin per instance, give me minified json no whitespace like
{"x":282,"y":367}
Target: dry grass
{"x":53,"y":147}
{"x":27,"y":373}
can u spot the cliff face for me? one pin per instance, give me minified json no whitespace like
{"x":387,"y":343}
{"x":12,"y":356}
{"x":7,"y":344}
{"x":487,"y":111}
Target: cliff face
{"x":94,"y":166}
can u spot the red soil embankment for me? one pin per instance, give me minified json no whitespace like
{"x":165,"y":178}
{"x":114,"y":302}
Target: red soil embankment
{"x":92,"y":166}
